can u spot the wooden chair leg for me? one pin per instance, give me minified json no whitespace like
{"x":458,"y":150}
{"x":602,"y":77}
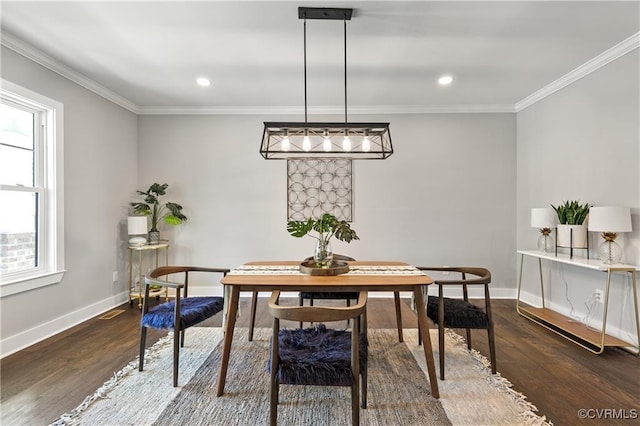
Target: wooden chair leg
{"x":441,"y":350}
{"x":492,"y":349}
{"x":355,"y":404}
{"x":365,"y":373}
{"x":469,"y":338}
{"x":143,"y":342}
{"x":273,"y":405}
{"x":252,"y":319}
{"x":182,"y":338}
{"x":396,"y":296}
{"x":300,"y":303}
{"x":176,"y":358}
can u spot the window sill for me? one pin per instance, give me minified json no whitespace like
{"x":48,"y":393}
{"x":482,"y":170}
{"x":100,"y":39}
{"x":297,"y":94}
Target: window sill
{"x":25,"y":284}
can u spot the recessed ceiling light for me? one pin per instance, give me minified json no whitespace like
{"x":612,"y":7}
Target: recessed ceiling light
{"x":204,"y":82}
{"x":445,"y":80}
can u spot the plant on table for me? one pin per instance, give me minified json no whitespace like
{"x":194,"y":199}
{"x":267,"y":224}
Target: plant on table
{"x":571,"y":212}
{"x":572,"y":231}
{"x":169,"y":213}
{"x":325,"y":228}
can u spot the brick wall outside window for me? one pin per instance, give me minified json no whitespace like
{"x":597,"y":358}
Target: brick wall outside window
{"x":17,"y":251}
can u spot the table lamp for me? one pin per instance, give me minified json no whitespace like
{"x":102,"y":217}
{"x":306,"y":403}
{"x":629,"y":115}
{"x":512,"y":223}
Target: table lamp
{"x":137,"y":226}
{"x":609,"y":221}
{"x":545,"y":219}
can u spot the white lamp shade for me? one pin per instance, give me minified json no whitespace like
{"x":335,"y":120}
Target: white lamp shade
{"x":543,"y":217}
{"x":137,"y":225}
{"x":610,"y":219}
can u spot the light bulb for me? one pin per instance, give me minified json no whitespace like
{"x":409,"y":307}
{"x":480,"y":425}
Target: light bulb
{"x":285,"y":144}
{"x":346,"y":143}
{"x":326,"y":143}
{"x":366,"y":144}
{"x":306,"y":143}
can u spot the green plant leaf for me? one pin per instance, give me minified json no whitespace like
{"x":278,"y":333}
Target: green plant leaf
{"x":299,"y":228}
{"x":571,"y":212}
{"x":141,"y":209}
{"x":343,"y":232}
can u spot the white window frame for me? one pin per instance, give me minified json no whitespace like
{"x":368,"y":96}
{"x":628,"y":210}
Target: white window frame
{"x":50,"y":167}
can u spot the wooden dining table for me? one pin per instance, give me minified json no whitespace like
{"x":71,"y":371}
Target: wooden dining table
{"x":362,"y":276}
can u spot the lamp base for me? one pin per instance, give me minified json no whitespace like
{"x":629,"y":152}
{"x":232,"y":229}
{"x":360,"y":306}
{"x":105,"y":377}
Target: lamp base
{"x":546,"y":243}
{"x":137,"y":241}
{"x":610,"y":252}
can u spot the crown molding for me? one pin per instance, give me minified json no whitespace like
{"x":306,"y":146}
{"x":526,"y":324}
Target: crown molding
{"x":30,"y":52}
{"x":355,"y":109}
{"x":56,"y":66}
{"x":583,"y":70}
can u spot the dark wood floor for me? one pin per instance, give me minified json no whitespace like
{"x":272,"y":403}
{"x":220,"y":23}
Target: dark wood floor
{"x":52,"y":377}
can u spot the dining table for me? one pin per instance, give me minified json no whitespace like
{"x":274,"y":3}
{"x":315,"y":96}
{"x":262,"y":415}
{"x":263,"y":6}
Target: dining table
{"x":371,"y":276}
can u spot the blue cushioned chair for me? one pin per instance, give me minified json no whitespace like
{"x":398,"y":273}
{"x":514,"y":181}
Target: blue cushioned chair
{"x":460,"y":313}
{"x":319,"y":356}
{"x":179,"y":314}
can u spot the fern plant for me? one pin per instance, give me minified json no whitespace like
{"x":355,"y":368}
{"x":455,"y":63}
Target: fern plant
{"x":571,"y":212}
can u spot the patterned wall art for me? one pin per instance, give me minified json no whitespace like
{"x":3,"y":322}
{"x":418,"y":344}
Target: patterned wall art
{"x":319,"y":186}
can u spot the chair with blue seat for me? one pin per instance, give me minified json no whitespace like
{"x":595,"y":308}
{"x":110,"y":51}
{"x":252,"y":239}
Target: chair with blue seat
{"x":178,"y":314}
{"x":448,"y":312}
{"x":319,"y":355}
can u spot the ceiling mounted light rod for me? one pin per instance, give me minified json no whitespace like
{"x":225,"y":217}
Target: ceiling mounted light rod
{"x":286,"y":140}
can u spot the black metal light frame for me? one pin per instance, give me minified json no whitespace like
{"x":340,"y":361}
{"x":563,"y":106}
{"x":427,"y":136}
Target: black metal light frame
{"x":284,"y":140}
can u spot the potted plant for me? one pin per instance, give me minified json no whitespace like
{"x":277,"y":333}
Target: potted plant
{"x":327,"y":226}
{"x":572,"y":228}
{"x":169,"y":213}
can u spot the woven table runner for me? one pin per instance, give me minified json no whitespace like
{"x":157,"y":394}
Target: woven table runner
{"x":353,"y":270}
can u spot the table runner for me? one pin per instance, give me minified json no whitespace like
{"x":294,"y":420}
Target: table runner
{"x":353,"y":270}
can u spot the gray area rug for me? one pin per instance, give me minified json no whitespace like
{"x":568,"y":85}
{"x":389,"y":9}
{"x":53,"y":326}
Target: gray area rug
{"x":399,"y":391}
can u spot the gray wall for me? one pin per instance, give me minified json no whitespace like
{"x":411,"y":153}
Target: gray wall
{"x":100,"y":158}
{"x":446,"y":197}
{"x":583,"y":143}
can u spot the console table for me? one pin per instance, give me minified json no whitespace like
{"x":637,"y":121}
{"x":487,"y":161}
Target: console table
{"x":579,"y":333}
{"x":137,"y":292}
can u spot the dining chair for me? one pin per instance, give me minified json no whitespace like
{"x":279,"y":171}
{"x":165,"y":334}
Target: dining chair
{"x":460,"y":313}
{"x":319,"y":355}
{"x":349,"y":296}
{"x":311,"y":296}
{"x":178,"y":314}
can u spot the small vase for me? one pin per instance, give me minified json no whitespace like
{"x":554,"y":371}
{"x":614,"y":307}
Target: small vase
{"x":154,"y":237}
{"x":323,"y":254}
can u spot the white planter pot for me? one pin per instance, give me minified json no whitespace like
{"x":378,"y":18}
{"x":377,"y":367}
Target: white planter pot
{"x":579,"y":236}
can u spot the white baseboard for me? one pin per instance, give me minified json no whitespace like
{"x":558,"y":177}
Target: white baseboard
{"x":43,"y":331}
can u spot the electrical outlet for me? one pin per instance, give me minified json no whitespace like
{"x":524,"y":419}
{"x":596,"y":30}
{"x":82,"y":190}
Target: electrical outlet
{"x":600,"y":295}
{"x":115,"y":276}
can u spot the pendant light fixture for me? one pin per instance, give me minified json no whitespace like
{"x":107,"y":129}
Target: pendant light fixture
{"x":290,"y":140}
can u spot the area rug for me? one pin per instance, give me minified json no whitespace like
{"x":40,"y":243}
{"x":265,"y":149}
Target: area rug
{"x":399,"y":391}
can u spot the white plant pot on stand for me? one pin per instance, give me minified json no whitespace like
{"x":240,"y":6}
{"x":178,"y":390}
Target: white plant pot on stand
{"x":572,"y":237}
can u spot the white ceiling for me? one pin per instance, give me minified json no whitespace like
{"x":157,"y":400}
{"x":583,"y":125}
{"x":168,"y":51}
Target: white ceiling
{"x":151,"y":52}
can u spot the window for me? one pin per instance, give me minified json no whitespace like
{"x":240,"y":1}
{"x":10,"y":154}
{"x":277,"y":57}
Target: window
{"x":31,"y":220}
